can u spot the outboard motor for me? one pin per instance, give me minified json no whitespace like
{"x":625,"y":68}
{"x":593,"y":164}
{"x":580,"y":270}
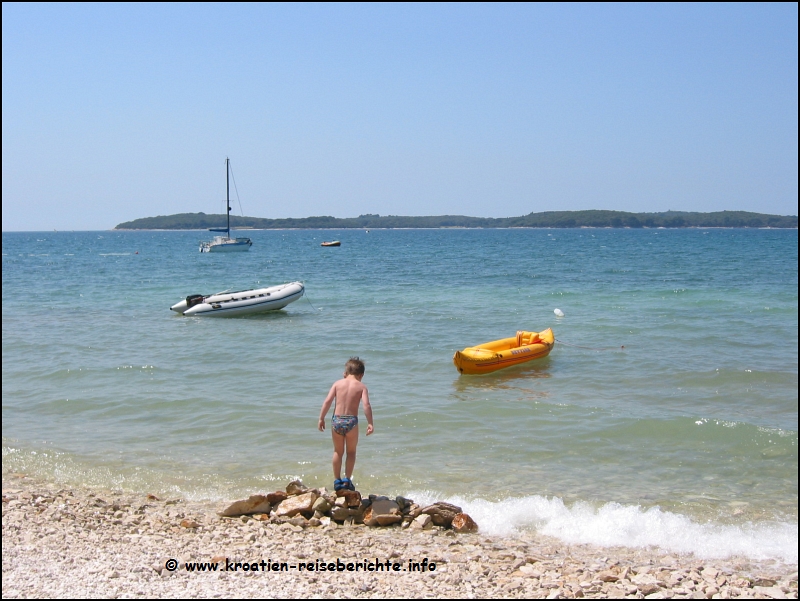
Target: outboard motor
{"x":193,"y":299}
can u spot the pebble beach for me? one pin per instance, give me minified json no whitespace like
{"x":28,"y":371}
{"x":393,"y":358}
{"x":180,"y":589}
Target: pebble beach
{"x":82,"y":543}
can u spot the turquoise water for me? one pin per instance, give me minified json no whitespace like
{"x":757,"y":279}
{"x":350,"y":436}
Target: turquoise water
{"x":692,"y":425}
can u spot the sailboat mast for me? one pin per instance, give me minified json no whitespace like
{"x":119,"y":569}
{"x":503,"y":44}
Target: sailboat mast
{"x":228,"y":194}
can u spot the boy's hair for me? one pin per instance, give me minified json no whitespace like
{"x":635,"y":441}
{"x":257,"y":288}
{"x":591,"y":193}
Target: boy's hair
{"x":355,"y":367}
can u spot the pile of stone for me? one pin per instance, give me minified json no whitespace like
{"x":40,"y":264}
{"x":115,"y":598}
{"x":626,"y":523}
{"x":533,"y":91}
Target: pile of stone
{"x":304,"y":507}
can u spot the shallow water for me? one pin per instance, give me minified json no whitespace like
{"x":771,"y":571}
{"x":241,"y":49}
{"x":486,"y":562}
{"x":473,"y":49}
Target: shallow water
{"x":693,"y":423}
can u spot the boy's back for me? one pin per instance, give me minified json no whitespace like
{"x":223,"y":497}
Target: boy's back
{"x":348,"y":393}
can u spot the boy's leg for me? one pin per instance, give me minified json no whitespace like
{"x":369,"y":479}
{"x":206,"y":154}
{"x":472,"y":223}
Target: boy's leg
{"x":351,"y":442}
{"x":338,"y":451}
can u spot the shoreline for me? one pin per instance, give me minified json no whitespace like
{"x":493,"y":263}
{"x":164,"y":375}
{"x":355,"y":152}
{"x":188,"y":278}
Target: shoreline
{"x":384,"y":228}
{"x":81,"y":542}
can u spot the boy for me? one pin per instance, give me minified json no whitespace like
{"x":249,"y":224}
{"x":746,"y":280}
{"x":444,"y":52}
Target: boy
{"x":348,"y":393}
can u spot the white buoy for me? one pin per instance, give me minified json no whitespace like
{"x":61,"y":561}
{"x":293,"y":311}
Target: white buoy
{"x":558,"y":312}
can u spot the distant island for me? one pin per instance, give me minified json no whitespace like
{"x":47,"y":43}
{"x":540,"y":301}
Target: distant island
{"x":547,"y":219}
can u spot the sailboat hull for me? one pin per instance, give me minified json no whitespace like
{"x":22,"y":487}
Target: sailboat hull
{"x":221,"y":244}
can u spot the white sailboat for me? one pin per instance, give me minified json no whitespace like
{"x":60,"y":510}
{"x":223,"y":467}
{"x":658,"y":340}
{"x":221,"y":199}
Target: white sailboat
{"x":226,"y":243}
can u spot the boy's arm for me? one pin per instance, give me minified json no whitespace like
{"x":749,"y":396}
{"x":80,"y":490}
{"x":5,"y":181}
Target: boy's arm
{"x":367,"y":411}
{"x":326,"y":404}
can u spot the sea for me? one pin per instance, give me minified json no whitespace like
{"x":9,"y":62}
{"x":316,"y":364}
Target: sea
{"x":665,"y":416}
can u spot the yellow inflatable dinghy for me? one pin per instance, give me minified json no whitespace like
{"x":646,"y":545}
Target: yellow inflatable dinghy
{"x":491,"y":356}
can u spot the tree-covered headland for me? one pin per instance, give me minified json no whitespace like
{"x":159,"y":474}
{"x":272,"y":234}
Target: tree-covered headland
{"x":547,"y":219}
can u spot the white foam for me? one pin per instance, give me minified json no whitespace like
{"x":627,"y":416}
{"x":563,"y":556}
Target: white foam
{"x":616,"y":525}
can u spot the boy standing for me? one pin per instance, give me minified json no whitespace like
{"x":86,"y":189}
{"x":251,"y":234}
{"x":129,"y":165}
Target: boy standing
{"x":348,"y":393}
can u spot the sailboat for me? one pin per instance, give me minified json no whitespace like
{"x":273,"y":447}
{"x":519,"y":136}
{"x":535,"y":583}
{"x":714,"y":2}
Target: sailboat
{"x":226,"y":243}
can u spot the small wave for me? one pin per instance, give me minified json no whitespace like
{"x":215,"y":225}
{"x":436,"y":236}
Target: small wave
{"x":616,"y":525}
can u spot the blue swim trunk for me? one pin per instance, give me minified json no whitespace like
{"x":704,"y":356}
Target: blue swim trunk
{"x":342,"y":424}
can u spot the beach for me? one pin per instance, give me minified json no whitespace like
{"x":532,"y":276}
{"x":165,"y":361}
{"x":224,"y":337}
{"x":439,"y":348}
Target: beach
{"x":70,"y":542}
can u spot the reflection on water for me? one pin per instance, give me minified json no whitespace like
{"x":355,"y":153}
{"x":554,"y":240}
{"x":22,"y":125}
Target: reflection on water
{"x":511,"y":378}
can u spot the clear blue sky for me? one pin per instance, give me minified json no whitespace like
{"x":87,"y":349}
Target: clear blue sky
{"x":117,"y":111}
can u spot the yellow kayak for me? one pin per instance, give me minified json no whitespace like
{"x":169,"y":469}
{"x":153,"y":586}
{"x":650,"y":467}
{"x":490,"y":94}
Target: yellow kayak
{"x":491,"y":356}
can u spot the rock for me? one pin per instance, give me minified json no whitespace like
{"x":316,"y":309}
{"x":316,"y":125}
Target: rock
{"x":607,"y":576}
{"x":322,"y":505}
{"x":649,"y":589}
{"x":340,"y":514}
{"x":299,"y":520}
{"x":187,"y":523}
{"x":276,"y":497}
{"x":296,"y":488}
{"x":303,"y":503}
{"x":352,"y":497}
{"x":643,"y":579}
{"x":254,"y":504}
{"x":389,"y":519}
{"x":382,"y":513}
{"x":422,"y":522}
{"x":442,"y":513}
{"x":771,"y":592}
{"x":464,"y":524}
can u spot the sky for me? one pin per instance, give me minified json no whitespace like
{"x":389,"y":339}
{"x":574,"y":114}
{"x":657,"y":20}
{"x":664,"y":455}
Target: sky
{"x":113,"y":112}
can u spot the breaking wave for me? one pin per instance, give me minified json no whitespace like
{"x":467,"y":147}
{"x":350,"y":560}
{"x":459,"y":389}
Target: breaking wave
{"x":616,"y":525}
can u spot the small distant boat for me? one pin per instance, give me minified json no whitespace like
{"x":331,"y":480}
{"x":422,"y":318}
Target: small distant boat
{"x":498,"y":354}
{"x":332,"y":243}
{"x":243,"y":302}
{"x":226,"y":243}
